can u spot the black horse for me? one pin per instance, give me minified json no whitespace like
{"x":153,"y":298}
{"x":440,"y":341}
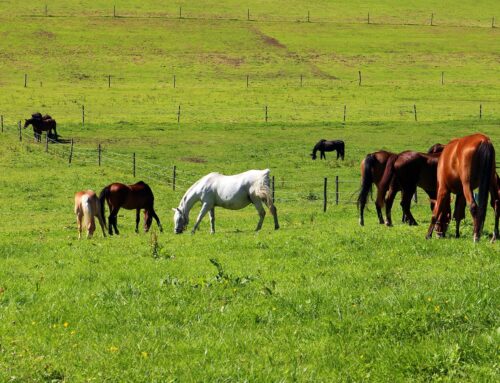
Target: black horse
{"x":42,"y":124}
{"x":328,"y":146}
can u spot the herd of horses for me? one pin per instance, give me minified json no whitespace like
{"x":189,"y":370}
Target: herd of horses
{"x":458,"y":167}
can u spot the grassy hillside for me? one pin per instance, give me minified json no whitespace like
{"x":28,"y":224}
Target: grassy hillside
{"x":321,"y":299}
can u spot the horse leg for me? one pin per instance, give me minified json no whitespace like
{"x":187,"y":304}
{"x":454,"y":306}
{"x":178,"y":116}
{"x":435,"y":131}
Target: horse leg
{"x":274,"y":213}
{"x":212,"y":220}
{"x":102,"y":222}
{"x":496,"y":207}
{"x":79,"y":216}
{"x":323,"y":156}
{"x":443,"y":198}
{"x":406,"y":204}
{"x":459,"y":213}
{"x":388,"y":206}
{"x":474,"y":209}
{"x":153,"y":214}
{"x":113,"y":218}
{"x":262,"y":213}
{"x":137,"y":219}
{"x":90,"y":227}
{"x":204,"y":210}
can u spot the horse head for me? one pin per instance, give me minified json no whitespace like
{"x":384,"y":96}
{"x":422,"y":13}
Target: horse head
{"x":313,"y":156}
{"x":26,"y":123}
{"x":180,"y":221}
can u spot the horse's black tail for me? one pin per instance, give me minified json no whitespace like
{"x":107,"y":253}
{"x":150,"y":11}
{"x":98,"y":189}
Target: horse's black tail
{"x":366,"y":180}
{"x":102,"y":199}
{"x":342,"y":150}
{"x":485,"y":158}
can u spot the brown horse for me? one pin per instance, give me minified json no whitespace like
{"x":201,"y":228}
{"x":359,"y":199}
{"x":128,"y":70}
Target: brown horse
{"x":41,"y":124}
{"x":436,"y":148}
{"x":328,"y":146}
{"x":372,"y":169}
{"x":137,"y":196}
{"x":465,"y":164}
{"x":404,"y":172}
{"x":87,"y":206}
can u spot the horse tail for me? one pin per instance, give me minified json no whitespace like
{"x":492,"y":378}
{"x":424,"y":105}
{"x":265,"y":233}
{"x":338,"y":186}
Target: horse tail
{"x":342,"y":149}
{"x":486,"y":158}
{"x":102,"y":199}
{"x":366,"y":180}
{"x":383,"y":185}
{"x":262,"y":188}
{"x":87,"y":210}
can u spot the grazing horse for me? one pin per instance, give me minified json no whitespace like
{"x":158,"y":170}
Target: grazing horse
{"x":230,"y":192}
{"x":405,"y":171}
{"x":41,"y":124}
{"x":372,"y":170}
{"x":87,"y":207}
{"x":328,"y":146}
{"x":465,"y":164}
{"x":137,"y":196}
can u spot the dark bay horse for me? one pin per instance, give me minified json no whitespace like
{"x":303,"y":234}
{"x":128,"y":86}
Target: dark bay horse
{"x":465,"y":164}
{"x":41,"y":124}
{"x":372,"y":170}
{"x":137,"y":196}
{"x":328,"y":146}
{"x":404,"y":172}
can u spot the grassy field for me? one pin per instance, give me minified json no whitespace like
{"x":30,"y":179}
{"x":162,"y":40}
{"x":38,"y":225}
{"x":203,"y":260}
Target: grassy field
{"x":322,"y":299}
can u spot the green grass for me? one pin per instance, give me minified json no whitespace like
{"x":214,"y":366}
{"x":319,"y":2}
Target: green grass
{"x":322,"y":299}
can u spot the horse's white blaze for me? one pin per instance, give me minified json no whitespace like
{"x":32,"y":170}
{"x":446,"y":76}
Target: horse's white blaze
{"x":230,"y":192}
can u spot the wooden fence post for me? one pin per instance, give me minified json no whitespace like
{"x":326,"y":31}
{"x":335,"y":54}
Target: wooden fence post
{"x":133,"y":164}
{"x":359,"y":73}
{"x":493,"y":22}
{"x":266,"y":113}
{"x":109,"y":81}
{"x":301,"y":80}
{"x":415,"y":111}
{"x":47,"y":142}
{"x":272,"y":188}
{"x":442,"y":78}
{"x":1,"y":121}
{"x":325,"y":188}
{"x":368,"y":17}
{"x":20,"y":133}
{"x":336,"y":190}
{"x":432,"y":19}
{"x":180,"y":12}
{"x":46,"y":10}
{"x":247,"y":80}
{"x":248,"y":14}
{"x":83,"y":116}
{"x":480,"y":111}
{"x":174,"y":81}
{"x":70,"y":152}
{"x":308,"y":17}
{"x":345,"y":112}
{"x":174,"y":174}
{"x":114,"y":10}
{"x":179,"y":114}
{"x":99,"y":154}
{"x":25,"y":80}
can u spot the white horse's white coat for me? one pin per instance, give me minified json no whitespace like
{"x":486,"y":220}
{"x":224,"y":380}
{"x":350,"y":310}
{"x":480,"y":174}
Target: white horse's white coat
{"x":230,"y":192}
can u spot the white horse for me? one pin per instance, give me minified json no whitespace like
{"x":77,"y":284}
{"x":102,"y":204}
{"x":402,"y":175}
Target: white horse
{"x":230,"y":192}
{"x":87,"y":206}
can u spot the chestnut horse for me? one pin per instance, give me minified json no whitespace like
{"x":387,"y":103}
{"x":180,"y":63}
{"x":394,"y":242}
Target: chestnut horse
{"x":372,"y":170}
{"x":328,"y":146}
{"x":137,"y":196}
{"x":465,"y":164}
{"x":405,"y":171}
{"x":87,"y":207}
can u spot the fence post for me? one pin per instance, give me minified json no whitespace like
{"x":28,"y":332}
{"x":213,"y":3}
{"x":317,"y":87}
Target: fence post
{"x":432,"y":19}
{"x":272,"y":188}
{"x":368,"y":17}
{"x":248,"y":14}
{"x":174,"y":174}
{"x":83,"y":116}
{"x":20,"y":133}
{"x":180,"y":12}
{"x":70,"y":152}
{"x":480,"y":111}
{"x":109,"y":81}
{"x":359,"y":72}
{"x":345,"y":112}
{"x":25,"y":80}
{"x":415,"y":111}
{"x":99,"y":154}
{"x":247,"y":80}
{"x":266,"y":113}
{"x":179,"y":114}
{"x":336,"y":190}
{"x":133,"y":164}
{"x":174,"y":80}
{"x":493,"y":22}
{"x":114,"y":10}
{"x":1,"y":121}
{"x":308,"y":17}
{"x":46,"y":10}
{"x":301,"y":80}
{"x":325,"y":186}
{"x":47,"y":142}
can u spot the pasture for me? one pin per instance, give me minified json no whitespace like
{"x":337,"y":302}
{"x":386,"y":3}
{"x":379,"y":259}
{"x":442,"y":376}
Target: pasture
{"x":321,"y":299}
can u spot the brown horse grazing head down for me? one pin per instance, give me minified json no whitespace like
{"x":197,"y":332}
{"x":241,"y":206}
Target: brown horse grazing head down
{"x":41,"y":124}
{"x":372,"y":169}
{"x":87,"y":206}
{"x":132,"y":197}
{"x":465,"y":164}
{"x":405,"y":171}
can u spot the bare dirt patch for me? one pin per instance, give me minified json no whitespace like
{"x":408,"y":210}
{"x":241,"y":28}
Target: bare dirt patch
{"x":268,"y":40}
{"x":196,"y":160}
{"x":45,"y":35}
